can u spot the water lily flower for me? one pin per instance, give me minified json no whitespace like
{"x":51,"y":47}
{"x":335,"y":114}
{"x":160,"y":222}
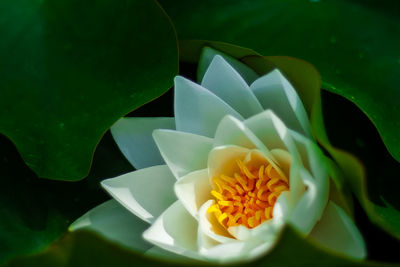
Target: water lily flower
{"x":220,"y":180}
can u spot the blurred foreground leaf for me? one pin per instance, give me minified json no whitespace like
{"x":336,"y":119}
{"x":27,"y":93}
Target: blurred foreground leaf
{"x":84,"y":248}
{"x":69,"y":69}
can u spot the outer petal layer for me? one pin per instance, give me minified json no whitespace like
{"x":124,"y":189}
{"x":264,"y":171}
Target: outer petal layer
{"x":183,"y":152}
{"x":276,"y":93}
{"x":133,"y":137}
{"x":226,"y":83}
{"x":146,"y":192}
{"x":337,"y":232}
{"x":197,"y":110}
{"x":175,"y":230}
{"x":193,"y":190}
{"x":209,"y":53}
{"x":116,"y":223}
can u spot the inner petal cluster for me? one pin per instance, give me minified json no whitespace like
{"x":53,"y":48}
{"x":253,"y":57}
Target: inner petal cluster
{"x":247,"y":198}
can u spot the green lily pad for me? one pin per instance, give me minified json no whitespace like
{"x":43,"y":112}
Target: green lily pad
{"x":354,"y":44}
{"x":35,"y":212}
{"x":69,"y":69}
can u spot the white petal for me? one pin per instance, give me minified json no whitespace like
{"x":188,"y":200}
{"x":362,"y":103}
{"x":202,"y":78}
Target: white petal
{"x":267,"y":231}
{"x":223,"y":80}
{"x":209,"y":225}
{"x":238,"y":251}
{"x":146,"y":192}
{"x":222,"y":160}
{"x":197,"y":110}
{"x":232,"y":132}
{"x":230,"y":252}
{"x":309,"y":208}
{"x":175,"y":230}
{"x":133,"y":137}
{"x":311,"y":155}
{"x":296,"y":184}
{"x":276,"y":93}
{"x":314,"y":175}
{"x":209,"y":53}
{"x":336,"y":231}
{"x":193,"y":190}
{"x":282,"y":208}
{"x":183,"y":152}
{"x":204,"y":242}
{"x":115,"y":223}
{"x":283,"y":160}
{"x":272,"y":132}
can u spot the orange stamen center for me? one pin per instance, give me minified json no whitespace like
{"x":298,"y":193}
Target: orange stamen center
{"x":247,"y":198}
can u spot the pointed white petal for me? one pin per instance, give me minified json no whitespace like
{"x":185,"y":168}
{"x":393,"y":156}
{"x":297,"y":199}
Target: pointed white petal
{"x":224,"y":81}
{"x":282,"y":208}
{"x":222,"y":160}
{"x":232,"y":132}
{"x":311,"y":155}
{"x":234,"y":251}
{"x":193,"y":190}
{"x":146,"y":192}
{"x":197,"y":110}
{"x":272,"y":132}
{"x":238,"y":251}
{"x":209,"y":53}
{"x":314,"y":175}
{"x":209,"y":225}
{"x":283,"y":160}
{"x":275,"y":92}
{"x":133,"y":137}
{"x":183,"y":152}
{"x":296,"y":184}
{"x":204,"y":242}
{"x":309,"y":208}
{"x":267,"y":231}
{"x":336,"y":231}
{"x":175,"y":230}
{"x":115,"y":223}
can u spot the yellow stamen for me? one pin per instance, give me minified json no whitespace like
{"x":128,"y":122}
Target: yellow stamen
{"x":217,"y":195}
{"x":247,"y":198}
{"x":228,"y":179}
{"x":244,"y":169}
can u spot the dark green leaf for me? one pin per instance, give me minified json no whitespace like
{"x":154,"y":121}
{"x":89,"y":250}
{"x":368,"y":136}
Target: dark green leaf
{"x":69,"y":69}
{"x":35,"y":212}
{"x":374,"y":179}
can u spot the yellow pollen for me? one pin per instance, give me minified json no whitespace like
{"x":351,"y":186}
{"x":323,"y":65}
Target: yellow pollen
{"x":247,"y":198}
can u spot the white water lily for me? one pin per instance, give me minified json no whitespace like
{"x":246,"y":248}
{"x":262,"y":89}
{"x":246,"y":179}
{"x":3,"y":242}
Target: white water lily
{"x":220,"y":180}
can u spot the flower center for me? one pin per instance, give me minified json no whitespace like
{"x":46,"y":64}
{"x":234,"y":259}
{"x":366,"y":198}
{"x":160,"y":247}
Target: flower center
{"x":247,"y":198}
